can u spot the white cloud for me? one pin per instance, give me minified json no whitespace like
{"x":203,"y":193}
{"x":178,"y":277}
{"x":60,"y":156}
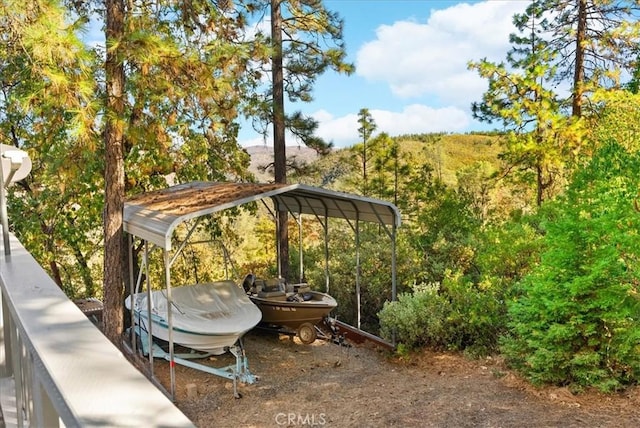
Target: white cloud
{"x":418,"y":119}
{"x":93,"y":33}
{"x":413,"y":119}
{"x":418,"y":59}
{"x":342,"y":131}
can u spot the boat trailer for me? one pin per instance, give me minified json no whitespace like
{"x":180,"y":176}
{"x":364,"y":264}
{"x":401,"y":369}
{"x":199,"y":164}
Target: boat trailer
{"x":235,"y":372}
{"x":333,"y":330}
{"x":357,"y":336}
{"x":307,"y":332}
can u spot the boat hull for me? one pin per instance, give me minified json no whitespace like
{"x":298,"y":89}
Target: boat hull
{"x":206,"y":317}
{"x":292,"y":314}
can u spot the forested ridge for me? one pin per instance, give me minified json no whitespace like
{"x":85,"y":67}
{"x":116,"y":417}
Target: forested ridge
{"x":522,"y":241}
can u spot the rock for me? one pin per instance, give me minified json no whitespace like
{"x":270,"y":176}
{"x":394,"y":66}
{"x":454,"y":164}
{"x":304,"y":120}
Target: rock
{"x":192,"y":390}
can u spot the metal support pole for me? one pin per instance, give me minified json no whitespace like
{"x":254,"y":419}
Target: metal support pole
{"x":394,"y":267}
{"x":131,"y":293}
{"x":300,"y":249}
{"x":16,"y":173}
{"x":326,"y":253}
{"x":358,"y":303}
{"x":150,"y":326}
{"x":278,"y":241}
{"x":394,"y":273}
{"x":172,"y":362}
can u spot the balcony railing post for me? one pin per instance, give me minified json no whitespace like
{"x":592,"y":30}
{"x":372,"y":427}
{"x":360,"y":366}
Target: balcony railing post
{"x":5,"y":342}
{"x":18,"y":376}
{"x":44,"y":413}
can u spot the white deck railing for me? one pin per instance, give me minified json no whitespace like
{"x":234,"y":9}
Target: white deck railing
{"x":57,"y":368}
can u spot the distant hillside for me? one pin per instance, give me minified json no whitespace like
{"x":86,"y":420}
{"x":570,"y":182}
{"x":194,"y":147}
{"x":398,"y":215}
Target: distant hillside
{"x":450,"y":153}
{"x":262,"y":156}
{"x":447,"y":153}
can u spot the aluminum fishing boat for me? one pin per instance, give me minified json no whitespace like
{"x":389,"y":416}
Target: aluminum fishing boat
{"x":294,"y":306}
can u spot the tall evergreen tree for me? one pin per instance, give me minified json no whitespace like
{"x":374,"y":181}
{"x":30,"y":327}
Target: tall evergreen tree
{"x":174,"y":78}
{"x":279,"y":143}
{"x":576,"y":320}
{"x":185,"y":75}
{"x":521,"y":95}
{"x":114,"y":248}
{"x":594,"y":41}
{"x":47,"y":108}
{"x":366,"y":130}
{"x":389,"y":164}
{"x":306,"y":41}
{"x":308,"y":38}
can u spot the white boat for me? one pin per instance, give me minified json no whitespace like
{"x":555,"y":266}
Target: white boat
{"x":208,"y":317}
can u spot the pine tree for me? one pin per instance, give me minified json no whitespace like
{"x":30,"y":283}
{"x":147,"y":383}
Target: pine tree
{"x":576,"y":320}
{"x":366,"y":130}
{"x":175,"y":77}
{"x":593,"y":41}
{"x":521,"y":95}
{"x":48,"y":108}
{"x":300,"y":32}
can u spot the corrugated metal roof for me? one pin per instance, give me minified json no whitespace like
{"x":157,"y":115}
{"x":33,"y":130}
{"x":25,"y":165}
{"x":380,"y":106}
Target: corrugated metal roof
{"x":153,"y":216}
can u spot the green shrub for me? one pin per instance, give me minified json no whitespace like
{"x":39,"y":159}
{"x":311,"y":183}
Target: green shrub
{"x":417,"y":318}
{"x":457,"y":315}
{"x":577,"y":320}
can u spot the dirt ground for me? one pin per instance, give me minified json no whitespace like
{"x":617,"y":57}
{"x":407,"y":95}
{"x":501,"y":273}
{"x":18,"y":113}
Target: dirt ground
{"x":324,"y":384}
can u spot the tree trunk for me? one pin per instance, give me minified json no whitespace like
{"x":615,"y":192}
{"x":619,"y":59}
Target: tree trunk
{"x":279,"y":145}
{"x":539,"y":186}
{"x":55,"y":272}
{"x":578,"y":77}
{"x":114,"y":175}
{"x":364,"y":166}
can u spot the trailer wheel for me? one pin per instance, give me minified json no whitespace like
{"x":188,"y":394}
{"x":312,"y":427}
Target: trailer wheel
{"x":307,"y":333}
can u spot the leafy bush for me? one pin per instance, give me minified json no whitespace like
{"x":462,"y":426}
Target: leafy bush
{"x":456,"y":315}
{"x":577,"y":320}
{"x":507,"y":251}
{"x":416,"y":318}
{"x":471,"y":269}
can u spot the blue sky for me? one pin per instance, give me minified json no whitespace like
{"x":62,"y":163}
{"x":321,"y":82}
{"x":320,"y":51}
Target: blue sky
{"x":411,"y":61}
{"x":411,"y":66}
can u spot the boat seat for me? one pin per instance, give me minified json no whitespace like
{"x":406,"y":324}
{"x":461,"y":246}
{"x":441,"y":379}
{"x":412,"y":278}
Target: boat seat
{"x":303,"y":288}
{"x":276,"y":295}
